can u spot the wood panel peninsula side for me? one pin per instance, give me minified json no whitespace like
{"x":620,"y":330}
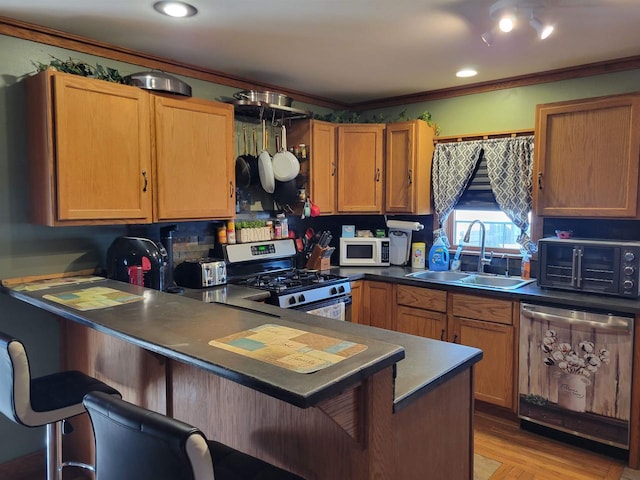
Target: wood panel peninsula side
{"x":402,"y":407}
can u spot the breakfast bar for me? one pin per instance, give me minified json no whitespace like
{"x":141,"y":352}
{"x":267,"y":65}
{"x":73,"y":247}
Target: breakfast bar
{"x":357,"y":403}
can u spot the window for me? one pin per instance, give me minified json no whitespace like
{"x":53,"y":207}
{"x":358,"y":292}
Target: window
{"x":500,"y":236}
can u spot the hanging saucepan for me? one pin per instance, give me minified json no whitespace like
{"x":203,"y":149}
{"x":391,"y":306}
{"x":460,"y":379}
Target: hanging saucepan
{"x":286,"y":192}
{"x":285,"y":164}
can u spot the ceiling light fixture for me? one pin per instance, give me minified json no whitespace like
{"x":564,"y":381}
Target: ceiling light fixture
{"x":508,"y":12}
{"x":488,"y":38}
{"x":466,"y":73}
{"x":507,"y":21}
{"x":175,"y":9}
{"x":544,"y":30}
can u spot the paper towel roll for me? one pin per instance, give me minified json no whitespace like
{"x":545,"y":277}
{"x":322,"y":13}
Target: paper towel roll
{"x":402,"y":225}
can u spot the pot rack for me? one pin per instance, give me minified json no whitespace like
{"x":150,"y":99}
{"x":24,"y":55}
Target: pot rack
{"x":278,"y":114}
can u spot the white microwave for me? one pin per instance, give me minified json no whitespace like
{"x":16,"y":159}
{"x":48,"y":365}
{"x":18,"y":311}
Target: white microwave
{"x":364,"y":252}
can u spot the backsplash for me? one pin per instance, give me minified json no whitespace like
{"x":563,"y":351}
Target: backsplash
{"x":593,"y":228}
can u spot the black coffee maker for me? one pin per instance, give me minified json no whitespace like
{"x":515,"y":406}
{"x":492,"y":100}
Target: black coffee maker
{"x":140,"y":261}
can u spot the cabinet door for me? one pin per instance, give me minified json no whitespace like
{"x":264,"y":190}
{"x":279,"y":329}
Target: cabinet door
{"x":493,"y":381}
{"x":89,"y":151}
{"x":194,"y":159}
{"x":360,"y":168}
{"x":378,"y":303}
{"x":320,"y":139}
{"x":409,"y":153}
{"x":423,"y":323}
{"x":356,"y":301}
{"x":587,"y":156}
{"x":323,"y":169}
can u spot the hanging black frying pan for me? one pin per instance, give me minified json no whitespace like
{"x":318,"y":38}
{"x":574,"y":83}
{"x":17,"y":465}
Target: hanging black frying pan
{"x":246,"y":165}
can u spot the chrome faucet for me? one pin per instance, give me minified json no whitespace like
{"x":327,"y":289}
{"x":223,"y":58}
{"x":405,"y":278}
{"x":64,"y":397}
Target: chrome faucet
{"x":482,"y":260}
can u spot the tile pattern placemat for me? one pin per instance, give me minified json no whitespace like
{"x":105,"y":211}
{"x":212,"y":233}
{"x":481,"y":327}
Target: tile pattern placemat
{"x":93,"y":298}
{"x":290,"y":348}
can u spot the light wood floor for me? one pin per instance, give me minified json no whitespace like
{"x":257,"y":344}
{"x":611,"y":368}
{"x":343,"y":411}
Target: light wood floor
{"x":509,"y":452}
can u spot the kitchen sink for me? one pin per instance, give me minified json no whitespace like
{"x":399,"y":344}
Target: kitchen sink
{"x":505,"y":283}
{"x":469,"y":278}
{"x":445,"y":276}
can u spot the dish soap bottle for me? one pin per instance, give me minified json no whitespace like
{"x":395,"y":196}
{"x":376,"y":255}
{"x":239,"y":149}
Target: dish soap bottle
{"x":439,"y":256}
{"x":525,"y":266}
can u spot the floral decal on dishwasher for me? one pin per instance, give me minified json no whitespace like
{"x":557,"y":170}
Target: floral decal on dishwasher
{"x":576,"y":367}
{"x":561,"y":354}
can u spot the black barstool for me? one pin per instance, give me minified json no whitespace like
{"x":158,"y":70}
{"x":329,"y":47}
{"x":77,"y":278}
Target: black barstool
{"x":47,"y":400}
{"x":134,"y":443}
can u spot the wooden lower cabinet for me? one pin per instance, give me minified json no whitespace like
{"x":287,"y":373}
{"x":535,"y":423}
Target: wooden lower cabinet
{"x":421,"y":311}
{"x":422,"y":323}
{"x":488,"y":324}
{"x":494,"y":380}
{"x":378,"y":305}
{"x":356,"y":301}
{"x":483,"y":322}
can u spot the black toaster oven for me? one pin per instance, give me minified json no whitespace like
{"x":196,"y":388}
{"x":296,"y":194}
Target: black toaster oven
{"x":608,"y":267}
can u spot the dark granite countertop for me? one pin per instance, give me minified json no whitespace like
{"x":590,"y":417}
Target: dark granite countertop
{"x":180,"y":327}
{"x":530,"y":293}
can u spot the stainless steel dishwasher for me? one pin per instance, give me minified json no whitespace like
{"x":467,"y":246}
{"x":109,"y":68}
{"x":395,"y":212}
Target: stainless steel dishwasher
{"x":575,"y":372}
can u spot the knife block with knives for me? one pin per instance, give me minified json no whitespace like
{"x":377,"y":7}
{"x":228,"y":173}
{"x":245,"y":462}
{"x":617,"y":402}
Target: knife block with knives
{"x":320,"y":258}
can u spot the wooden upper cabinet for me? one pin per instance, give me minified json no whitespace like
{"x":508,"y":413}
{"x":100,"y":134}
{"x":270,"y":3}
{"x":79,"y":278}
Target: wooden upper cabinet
{"x":104,"y":153}
{"x":193,"y":159}
{"x":587,"y":155}
{"x":360,"y":168}
{"x":89,"y":151}
{"x":320,"y":139}
{"x":409,"y":153}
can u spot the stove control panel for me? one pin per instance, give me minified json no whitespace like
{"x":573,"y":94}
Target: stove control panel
{"x":268,"y":250}
{"x":316,"y":294}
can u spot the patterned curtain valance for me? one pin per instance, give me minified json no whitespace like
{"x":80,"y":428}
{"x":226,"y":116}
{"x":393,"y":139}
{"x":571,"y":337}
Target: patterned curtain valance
{"x":509,"y":165}
{"x":453,"y":166}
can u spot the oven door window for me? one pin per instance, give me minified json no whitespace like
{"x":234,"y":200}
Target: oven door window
{"x":599,"y":269}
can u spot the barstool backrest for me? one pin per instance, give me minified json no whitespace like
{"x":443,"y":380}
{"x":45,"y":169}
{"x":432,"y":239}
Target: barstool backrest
{"x":134,"y":443}
{"x":15,"y":382}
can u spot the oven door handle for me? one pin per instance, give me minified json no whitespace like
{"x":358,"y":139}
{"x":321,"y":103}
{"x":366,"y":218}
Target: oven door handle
{"x":601,"y":322}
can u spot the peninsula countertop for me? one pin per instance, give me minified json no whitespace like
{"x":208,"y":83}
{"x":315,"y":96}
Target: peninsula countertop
{"x":180,"y":327}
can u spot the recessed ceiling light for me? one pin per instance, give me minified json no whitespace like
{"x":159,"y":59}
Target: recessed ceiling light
{"x":466,"y":72}
{"x":175,"y":9}
{"x":506,"y":23}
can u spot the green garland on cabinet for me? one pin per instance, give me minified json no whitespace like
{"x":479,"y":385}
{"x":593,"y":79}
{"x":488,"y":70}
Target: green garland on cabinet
{"x":344,"y":116}
{"x":77,"y":67}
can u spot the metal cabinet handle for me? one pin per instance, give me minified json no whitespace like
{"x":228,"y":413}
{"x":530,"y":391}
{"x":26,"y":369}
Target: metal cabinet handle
{"x":442,"y":335}
{"x":377,"y":174}
{"x":333,"y":169}
{"x":146,"y":181}
{"x":539,"y":180}
{"x":410,"y":177}
{"x":230,"y":189}
{"x":574,"y":268}
{"x":455,"y":338}
{"x":575,"y":318}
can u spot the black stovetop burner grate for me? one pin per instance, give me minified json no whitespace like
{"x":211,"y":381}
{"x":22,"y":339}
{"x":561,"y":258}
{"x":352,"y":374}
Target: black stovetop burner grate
{"x":289,"y":280}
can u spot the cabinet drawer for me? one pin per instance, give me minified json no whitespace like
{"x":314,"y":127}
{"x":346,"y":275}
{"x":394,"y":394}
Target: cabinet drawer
{"x":483,"y":308}
{"x":422,"y":298}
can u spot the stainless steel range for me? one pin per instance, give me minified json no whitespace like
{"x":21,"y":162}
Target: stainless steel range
{"x":270,"y":266}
